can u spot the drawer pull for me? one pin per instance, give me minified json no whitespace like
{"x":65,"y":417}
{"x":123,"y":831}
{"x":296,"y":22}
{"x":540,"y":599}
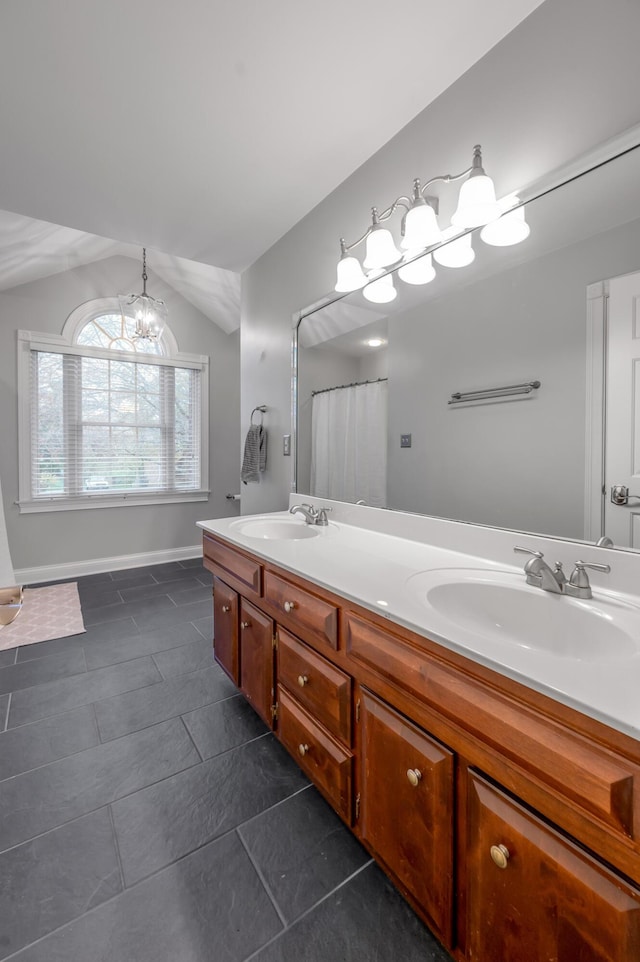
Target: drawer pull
{"x":226,"y":607}
{"x":414,"y":775}
{"x":303,"y":750}
{"x":500,"y":855}
{"x":245,"y":624}
{"x":289,"y":606}
{"x":303,"y":680}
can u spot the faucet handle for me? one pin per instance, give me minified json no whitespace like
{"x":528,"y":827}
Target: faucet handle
{"x":579,"y":576}
{"x":536,"y":554}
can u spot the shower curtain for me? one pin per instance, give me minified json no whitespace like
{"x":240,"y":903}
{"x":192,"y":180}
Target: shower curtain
{"x":349,"y":444}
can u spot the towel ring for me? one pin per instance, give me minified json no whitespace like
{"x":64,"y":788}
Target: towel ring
{"x":261,"y":408}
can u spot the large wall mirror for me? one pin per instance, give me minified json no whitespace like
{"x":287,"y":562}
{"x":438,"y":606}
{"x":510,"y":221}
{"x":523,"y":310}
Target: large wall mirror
{"x":506,"y":392}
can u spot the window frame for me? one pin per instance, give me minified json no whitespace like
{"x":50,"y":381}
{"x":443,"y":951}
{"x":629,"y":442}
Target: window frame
{"x":29,"y":341}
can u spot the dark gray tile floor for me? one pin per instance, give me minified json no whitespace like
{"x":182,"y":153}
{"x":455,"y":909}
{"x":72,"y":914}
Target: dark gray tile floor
{"x":146,"y":813}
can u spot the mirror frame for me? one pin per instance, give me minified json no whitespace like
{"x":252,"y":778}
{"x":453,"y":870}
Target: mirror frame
{"x":599,"y":156}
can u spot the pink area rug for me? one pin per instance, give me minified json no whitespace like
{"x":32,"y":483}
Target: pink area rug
{"x":47,"y":613}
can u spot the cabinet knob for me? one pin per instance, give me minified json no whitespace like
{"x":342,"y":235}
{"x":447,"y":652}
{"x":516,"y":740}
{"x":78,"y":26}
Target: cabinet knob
{"x":303,"y":750}
{"x":500,"y":855}
{"x":245,"y":624}
{"x":289,"y":606}
{"x":226,"y":607}
{"x":414,"y":775}
{"x":303,"y":680}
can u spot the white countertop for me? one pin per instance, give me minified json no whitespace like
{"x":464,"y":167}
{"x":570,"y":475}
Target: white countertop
{"x":378,"y":570}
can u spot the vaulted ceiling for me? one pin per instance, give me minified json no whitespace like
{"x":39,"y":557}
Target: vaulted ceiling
{"x":208,"y":128}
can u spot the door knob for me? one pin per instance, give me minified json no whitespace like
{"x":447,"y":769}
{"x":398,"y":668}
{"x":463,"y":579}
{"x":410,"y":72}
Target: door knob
{"x":620,"y":494}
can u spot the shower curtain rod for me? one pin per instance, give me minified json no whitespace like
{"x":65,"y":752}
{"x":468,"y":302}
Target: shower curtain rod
{"x":340,"y":387}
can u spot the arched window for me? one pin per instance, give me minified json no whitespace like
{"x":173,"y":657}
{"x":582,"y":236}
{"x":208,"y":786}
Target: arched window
{"x":114,"y":418}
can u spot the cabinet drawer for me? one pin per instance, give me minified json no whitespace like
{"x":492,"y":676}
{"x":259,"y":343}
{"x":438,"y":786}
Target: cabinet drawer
{"x":310,"y":617}
{"x":322,"y":689}
{"x":244,"y":570}
{"x":326,"y":762}
{"x":533,"y":894}
{"x":599,"y":780}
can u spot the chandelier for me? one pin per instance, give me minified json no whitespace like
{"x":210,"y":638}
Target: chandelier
{"x":149,"y":313}
{"x":502,"y":221}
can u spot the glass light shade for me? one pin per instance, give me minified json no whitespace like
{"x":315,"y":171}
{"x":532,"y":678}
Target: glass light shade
{"x":351,"y":277}
{"x":457,"y":253}
{"x":477,"y":204}
{"x":420,"y":228}
{"x":418,"y":272}
{"x":381,"y":291}
{"x":509,"y":229}
{"x":150,"y":315}
{"x":381,"y":249}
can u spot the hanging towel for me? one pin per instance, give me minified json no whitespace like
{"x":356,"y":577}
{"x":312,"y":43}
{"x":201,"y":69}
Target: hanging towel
{"x":255,"y":453}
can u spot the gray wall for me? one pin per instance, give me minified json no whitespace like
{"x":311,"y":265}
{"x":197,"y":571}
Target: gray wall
{"x":563,"y":81}
{"x":518,"y":464}
{"x":71,"y":536}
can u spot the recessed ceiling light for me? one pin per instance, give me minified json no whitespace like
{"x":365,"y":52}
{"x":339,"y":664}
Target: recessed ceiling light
{"x":375,"y":342}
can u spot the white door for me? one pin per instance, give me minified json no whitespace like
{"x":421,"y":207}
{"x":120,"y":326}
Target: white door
{"x":622,"y":446}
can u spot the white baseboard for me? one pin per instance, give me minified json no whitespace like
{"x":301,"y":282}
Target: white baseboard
{"x":76,"y":569}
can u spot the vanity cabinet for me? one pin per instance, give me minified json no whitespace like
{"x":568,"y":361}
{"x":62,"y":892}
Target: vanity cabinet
{"x":533,"y":894}
{"x":509,"y":821}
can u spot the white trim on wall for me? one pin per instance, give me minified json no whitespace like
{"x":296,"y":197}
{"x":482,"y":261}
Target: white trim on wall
{"x":595,"y":413}
{"x":77,"y":569}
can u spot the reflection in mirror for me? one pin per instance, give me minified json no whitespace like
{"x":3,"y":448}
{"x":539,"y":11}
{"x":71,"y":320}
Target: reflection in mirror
{"x":520,"y":314}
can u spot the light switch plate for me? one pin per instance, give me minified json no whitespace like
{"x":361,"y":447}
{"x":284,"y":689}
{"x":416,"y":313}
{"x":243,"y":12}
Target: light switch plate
{"x":405,"y":440}
{"x":286,"y":445}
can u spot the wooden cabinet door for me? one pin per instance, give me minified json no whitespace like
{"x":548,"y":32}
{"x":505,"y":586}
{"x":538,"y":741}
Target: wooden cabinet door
{"x":225,"y":629}
{"x":257,"y":676}
{"x":406,"y":807}
{"x":534,"y":895}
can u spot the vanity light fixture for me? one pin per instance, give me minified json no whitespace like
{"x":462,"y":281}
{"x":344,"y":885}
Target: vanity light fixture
{"x":477,"y":207}
{"x":149,"y":312}
{"x":419,"y":228}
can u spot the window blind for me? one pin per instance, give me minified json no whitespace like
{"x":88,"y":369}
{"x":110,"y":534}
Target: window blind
{"x":110,"y":426}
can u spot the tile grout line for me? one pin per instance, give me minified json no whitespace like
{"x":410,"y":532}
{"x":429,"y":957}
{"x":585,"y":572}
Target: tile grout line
{"x":263,"y":881}
{"x":312,"y":908}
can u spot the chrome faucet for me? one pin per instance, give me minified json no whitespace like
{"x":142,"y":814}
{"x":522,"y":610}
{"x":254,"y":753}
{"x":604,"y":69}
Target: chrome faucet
{"x":309,"y":512}
{"x":540,"y":575}
{"x":311,"y":515}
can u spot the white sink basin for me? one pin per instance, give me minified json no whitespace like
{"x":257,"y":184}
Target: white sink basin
{"x":276,"y":529}
{"x":500,"y":606}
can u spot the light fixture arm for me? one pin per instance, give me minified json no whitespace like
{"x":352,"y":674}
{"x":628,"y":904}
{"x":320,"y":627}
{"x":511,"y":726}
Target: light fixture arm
{"x":403,"y":201}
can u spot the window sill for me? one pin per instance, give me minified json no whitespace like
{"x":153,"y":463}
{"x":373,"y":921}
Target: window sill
{"x":92,"y":501}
